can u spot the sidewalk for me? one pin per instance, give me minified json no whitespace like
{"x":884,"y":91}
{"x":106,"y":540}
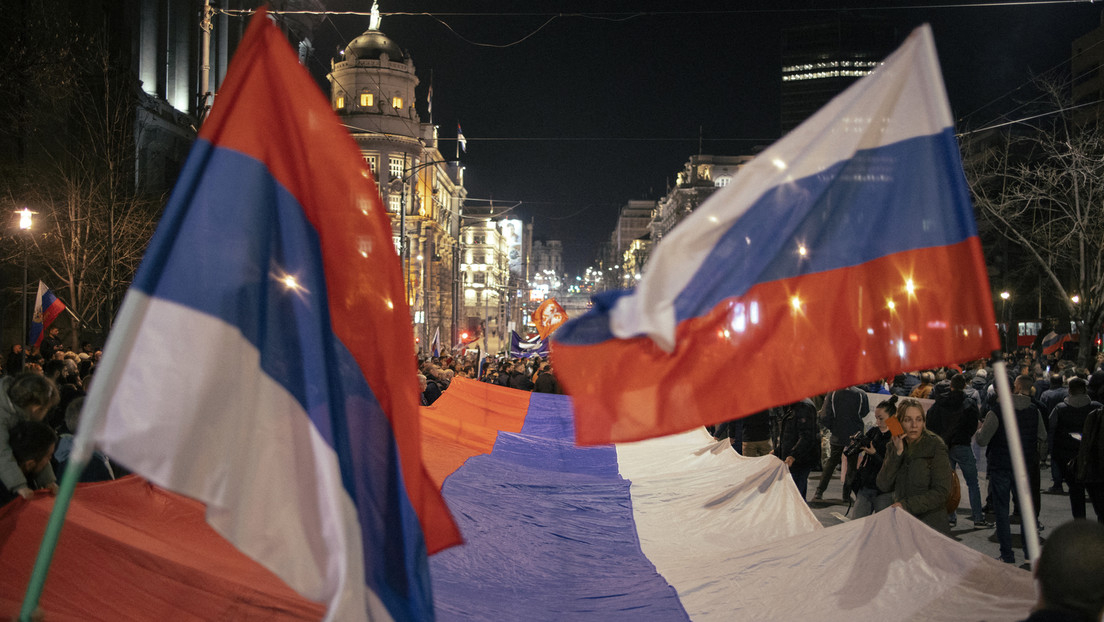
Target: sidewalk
{"x":1055,"y":511}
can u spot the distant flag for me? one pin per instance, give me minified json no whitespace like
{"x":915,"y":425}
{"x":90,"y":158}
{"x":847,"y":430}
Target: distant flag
{"x":1053,"y":342}
{"x":435,"y":344}
{"x":296,"y":421}
{"x":526,"y":348}
{"x":460,"y":140}
{"x":823,"y":264}
{"x":548,"y":317}
{"x":47,"y":307}
{"x":479,"y":367}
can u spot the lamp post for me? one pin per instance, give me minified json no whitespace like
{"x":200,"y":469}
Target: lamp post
{"x":404,"y":250}
{"x":25,"y":222}
{"x":1004,"y":318}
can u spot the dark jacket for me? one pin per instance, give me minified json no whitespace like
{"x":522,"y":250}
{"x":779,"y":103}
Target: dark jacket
{"x":920,"y":479}
{"x":1069,"y":417}
{"x":797,"y":432}
{"x":1029,"y":420}
{"x":954,"y":418}
{"x":547,"y":383}
{"x":843,"y":413}
{"x":871,"y":465}
{"x":520,"y":380}
{"x":757,"y":427}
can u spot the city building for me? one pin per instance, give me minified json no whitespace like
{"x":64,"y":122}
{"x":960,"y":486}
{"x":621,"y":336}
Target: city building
{"x":372,"y":90}
{"x":700,"y":177}
{"x":820,"y":60}
{"x":494,"y":277}
{"x":1087,"y":68}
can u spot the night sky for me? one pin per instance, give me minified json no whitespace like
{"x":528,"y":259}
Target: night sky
{"x":592,"y":111}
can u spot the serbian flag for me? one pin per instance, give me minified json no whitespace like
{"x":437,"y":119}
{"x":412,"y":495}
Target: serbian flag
{"x":435,"y":344}
{"x":846,"y":251}
{"x":548,"y":317}
{"x":46,"y":309}
{"x":1053,"y":342}
{"x":296,"y":419}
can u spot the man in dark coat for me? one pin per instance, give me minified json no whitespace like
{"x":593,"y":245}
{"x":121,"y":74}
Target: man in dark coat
{"x":842,"y":414}
{"x":1066,"y":419}
{"x":797,"y":444}
{"x":955,"y":419}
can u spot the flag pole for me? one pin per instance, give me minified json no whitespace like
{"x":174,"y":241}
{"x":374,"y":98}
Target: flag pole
{"x":77,"y":461}
{"x":1019,"y":466}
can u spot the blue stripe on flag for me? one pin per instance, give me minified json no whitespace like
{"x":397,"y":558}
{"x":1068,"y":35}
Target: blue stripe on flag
{"x":236,"y":261}
{"x":873,"y":197}
{"x":549,"y":532}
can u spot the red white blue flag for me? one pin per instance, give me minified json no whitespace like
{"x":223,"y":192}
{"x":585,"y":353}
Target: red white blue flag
{"x":263,"y":359}
{"x":46,"y":309}
{"x":1052,"y":342}
{"x":846,"y":251}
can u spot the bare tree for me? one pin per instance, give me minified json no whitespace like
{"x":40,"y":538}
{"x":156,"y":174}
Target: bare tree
{"x":79,"y":175}
{"x":1042,"y":188}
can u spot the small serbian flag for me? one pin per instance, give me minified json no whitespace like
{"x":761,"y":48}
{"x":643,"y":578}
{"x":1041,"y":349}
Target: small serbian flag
{"x":296,"y":420}
{"x":461,"y":141}
{"x":47,"y":308}
{"x":435,"y":344}
{"x":548,"y":317}
{"x":1053,"y":342}
{"x":846,"y":251}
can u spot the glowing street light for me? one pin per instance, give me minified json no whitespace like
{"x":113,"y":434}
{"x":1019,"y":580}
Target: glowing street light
{"x":1005,"y":295}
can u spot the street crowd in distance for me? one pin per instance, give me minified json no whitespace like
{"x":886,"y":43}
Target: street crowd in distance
{"x":927,"y":424}
{"x":532,"y":374}
{"x":42,"y":392}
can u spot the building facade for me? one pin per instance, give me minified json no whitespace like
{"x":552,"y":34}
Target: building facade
{"x":372,"y":90}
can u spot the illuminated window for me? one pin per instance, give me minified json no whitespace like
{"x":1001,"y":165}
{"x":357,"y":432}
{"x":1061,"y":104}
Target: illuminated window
{"x":367,"y":99}
{"x":394,"y":203}
{"x":370,"y":160}
{"x":722,"y":181}
{"x":396,"y":103}
{"x":480,"y":277}
{"x":395,"y":167}
{"x":340,"y":102}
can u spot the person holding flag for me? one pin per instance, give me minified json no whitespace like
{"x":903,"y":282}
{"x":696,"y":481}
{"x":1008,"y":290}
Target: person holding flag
{"x":273,"y":273}
{"x":46,"y":309}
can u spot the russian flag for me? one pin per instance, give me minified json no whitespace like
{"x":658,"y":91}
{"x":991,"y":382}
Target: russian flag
{"x":846,"y":251}
{"x":46,"y":309}
{"x":1053,"y":342}
{"x":262,"y":361}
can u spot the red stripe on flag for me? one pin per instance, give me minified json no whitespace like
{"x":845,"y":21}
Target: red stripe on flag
{"x":764,"y":349}
{"x":367,"y":304}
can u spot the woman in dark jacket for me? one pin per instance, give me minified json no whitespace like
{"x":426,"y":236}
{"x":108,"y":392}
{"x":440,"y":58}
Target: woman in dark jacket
{"x":868,"y":499}
{"x":917,"y":469}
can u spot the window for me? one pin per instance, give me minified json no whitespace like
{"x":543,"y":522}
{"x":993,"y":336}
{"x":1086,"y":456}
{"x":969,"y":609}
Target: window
{"x":367,"y":99}
{"x":395,"y":167}
{"x":394,"y":203}
{"x":370,"y":160}
{"x":340,"y":104}
{"x":721,"y":182}
{"x":480,"y":277}
{"x":396,"y":103}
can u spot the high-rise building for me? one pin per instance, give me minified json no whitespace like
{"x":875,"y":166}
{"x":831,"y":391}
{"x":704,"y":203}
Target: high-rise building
{"x":820,"y":60}
{"x":372,"y":90}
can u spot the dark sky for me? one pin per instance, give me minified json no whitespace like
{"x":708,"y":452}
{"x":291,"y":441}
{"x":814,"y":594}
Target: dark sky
{"x":592,"y":111}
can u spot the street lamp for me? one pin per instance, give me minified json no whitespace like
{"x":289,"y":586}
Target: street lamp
{"x":25,"y":223}
{"x":1004,"y":319}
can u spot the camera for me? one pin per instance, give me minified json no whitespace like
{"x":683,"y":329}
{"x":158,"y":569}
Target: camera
{"x":855,"y":444}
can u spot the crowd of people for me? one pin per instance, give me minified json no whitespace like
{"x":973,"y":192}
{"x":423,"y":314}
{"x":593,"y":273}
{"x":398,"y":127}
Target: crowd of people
{"x":528,"y":374}
{"x":946,"y":420}
{"x":41,"y":394}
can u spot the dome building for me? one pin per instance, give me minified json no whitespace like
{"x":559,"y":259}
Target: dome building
{"x":372,"y":89}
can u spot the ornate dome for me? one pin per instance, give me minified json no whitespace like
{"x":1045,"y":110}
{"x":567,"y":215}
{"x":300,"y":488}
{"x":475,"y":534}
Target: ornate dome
{"x":371,"y":45}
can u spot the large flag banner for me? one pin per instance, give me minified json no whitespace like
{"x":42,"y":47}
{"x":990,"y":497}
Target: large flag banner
{"x":548,"y":317}
{"x":526,"y":348}
{"x":846,"y":251}
{"x":46,"y":309}
{"x":295,"y":421}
